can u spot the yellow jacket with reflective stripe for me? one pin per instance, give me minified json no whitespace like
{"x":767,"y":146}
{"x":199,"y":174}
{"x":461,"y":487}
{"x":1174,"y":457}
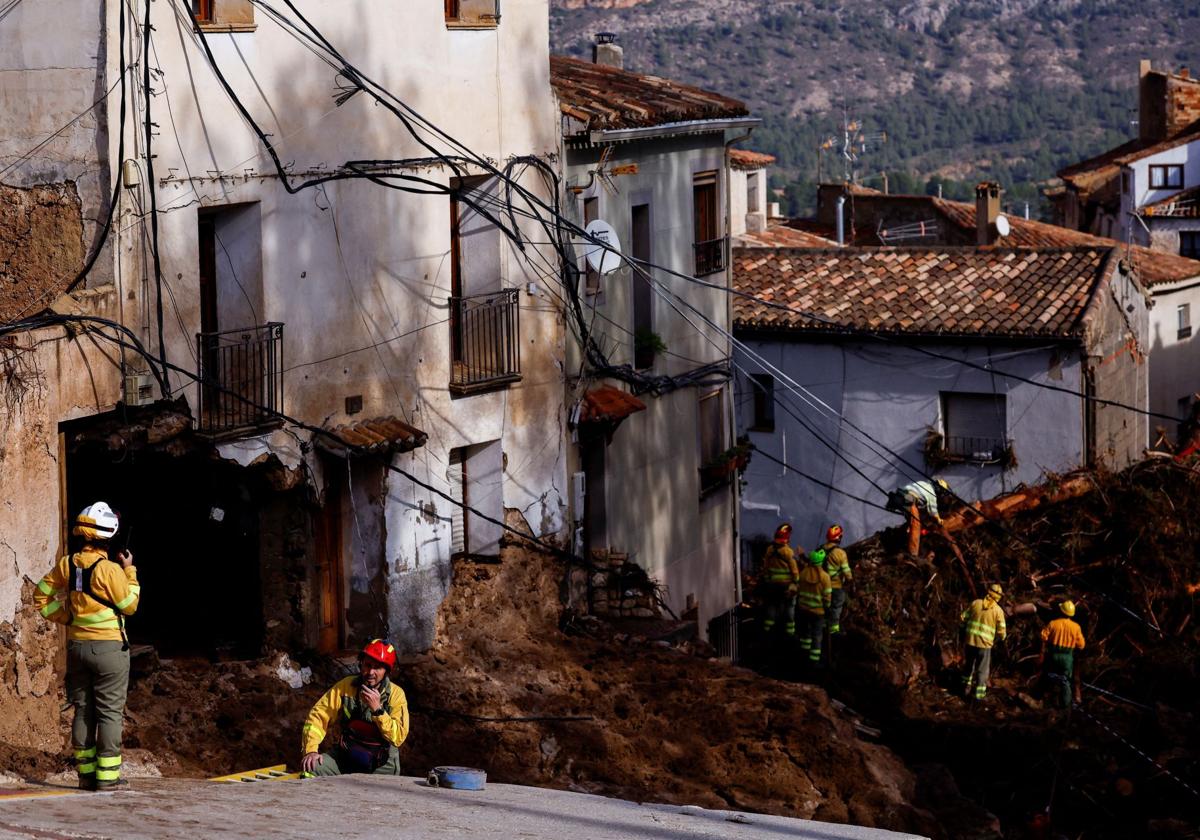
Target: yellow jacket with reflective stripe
{"x":837,"y":565}
{"x":779,"y":565}
{"x":393,"y":723}
{"x":814,"y":591}
{"x":86,"y":618}
{"x":984,"y":623}
{"x":1063,"y":633}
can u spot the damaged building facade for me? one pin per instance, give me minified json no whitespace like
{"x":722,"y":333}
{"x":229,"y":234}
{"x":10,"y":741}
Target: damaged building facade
{"x":410,"y":342}
{"x":654,"y":462}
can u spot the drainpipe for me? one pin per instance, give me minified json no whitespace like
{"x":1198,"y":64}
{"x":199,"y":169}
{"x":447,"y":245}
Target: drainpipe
{"x":841,"y":222}
{"x":737,"y":500}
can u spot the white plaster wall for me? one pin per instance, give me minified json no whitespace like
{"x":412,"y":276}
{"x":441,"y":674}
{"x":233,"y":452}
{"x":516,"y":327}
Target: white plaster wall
{"x":654,"y":509}
{"x":1174,"y":362}
{"x":1186,"y":155}
{"x":739,"y":199}
{"x":893,"y":394}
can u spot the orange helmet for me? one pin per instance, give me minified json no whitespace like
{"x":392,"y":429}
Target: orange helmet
{"x":783,"y":533}
{"x":834,"y":533}
{"x":382,"y":652}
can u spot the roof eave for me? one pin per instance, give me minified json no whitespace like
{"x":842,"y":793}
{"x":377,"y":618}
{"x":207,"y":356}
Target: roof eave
{"x":672,"y":129}
{"x":794,"y":333}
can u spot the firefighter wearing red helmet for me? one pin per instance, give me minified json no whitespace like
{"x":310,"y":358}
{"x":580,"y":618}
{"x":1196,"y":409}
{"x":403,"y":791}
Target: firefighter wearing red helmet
{"x":779,"y":576}
{"x":837,"y":566}
{"x":372,"y":713}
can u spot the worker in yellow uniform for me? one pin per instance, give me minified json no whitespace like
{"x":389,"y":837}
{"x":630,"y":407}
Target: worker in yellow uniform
{"x":779,"y":577}
{"x":372,"y":713}
{"x":837,"y":566}
{"x":1060,"y":639}
{"x":813,"y":596}
{"x":983,"y":624}
{"x":91,"y":594}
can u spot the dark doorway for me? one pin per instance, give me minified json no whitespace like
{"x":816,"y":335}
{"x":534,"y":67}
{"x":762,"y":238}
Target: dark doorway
{"x":327,"y":528}
{"x":192,"y":523}
{"x":595,"y":508}
{"x":643,"y":296}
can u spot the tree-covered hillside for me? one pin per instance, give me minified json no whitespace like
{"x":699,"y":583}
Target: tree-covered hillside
{"x":964,"y":89}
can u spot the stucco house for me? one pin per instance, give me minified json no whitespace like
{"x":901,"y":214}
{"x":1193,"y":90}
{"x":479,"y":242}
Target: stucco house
{"x":648,"y":392}
{"x":865,"y":368}
{"x":415,"y":348}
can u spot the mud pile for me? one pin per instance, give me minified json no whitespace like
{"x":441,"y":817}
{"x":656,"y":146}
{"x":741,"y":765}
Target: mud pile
{"x":1128,"y":553}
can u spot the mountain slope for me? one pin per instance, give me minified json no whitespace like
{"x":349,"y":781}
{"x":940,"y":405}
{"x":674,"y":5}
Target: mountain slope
{"x":1007,"y":89}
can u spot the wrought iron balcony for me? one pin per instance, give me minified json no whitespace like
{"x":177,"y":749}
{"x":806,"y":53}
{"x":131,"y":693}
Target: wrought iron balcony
{"x":978,"y":449}
{"x":485,"y":341}
{"x":710,"y":256}
{"x":241,"y":379}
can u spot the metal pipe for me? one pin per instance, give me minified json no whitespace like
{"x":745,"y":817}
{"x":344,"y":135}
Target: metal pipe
{"x":841,"y":222}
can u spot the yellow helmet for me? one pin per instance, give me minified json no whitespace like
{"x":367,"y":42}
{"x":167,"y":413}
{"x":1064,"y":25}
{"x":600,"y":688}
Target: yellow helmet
{"x":1067,"y":608}
{"x":995,"y":592}
{"x":941,"y":482}
{"x":96,"y":522}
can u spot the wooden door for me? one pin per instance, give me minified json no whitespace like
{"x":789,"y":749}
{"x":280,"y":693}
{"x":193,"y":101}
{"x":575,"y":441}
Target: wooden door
{"x":328,"y":540}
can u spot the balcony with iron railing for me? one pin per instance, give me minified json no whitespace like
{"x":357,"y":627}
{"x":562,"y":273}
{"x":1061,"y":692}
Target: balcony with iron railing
{"x":241,"y":380}
{"x":710,"y":256}
{"x":485,"y":341}
{"x":979,"y":450}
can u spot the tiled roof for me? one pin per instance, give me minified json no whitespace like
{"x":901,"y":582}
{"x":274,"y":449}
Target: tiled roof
{"x":1187,"y":135}
{"x":604,"y":97}
{"x":746,"y":159}
{"x":383,"y":434}
{"x":1153,"y":267}
{"x":922,"y":291}
{"x":783,"y":236}
{"x":1095,"y":171}
{"x":1182,"y":205}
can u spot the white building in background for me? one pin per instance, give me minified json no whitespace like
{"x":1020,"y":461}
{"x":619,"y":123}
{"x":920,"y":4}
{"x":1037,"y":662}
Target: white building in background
{"x":406,"y":323}
{"x":650,"y":157}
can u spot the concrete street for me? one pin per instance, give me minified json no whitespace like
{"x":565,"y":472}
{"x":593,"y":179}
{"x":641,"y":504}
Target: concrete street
{"x":374,"y":807}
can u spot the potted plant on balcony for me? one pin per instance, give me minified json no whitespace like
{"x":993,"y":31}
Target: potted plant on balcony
{"x":732,"y":460}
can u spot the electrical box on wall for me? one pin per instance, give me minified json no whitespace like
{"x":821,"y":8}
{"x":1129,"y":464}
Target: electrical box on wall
{"x":139,"y":389}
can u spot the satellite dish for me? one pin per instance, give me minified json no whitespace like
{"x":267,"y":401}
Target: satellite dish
{"x":599,"y":259}
{"x":1002,"y":226}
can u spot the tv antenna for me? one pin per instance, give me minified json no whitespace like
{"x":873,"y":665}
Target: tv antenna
{"x":605,"y":174}
{"x":850,"y":146}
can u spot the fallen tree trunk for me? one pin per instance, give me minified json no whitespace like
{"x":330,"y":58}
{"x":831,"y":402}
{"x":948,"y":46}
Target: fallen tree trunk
{"x":1027,"y":498}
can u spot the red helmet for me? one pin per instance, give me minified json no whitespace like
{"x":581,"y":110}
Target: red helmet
{"x":783,"y":533}
{"x":834,"y":533}
{"x":381,"y":651}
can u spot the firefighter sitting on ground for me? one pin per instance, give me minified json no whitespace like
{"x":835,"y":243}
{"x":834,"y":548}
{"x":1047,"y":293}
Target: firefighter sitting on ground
{"x":813,"y":596}
{"x":837,"y":566}
{"x":373,"y":714}
{"x":91,"y":594}
{"x":983,"y":624}
{"x":779,"y":577}
{"x":1060,"y":639}
{"x":913,"y":500}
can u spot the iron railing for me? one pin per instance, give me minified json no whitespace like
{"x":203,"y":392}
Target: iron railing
{"x":485,"y":340}
{"x":978,"y":448}
{"x":710,"y":256}
{"x":241,"y":378}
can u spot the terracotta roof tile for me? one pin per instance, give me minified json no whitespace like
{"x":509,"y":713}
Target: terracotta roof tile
{"x":1182,"y":205}
{"x":383,"y":434}
{"x":606,"y":404}
{"x":606,"y":97}
{"x":925,"y":291}
{"x":746,"y":159}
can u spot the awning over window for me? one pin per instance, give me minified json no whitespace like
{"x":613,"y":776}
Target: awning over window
{"x":606,"y":404}
{"x":383,"y":435}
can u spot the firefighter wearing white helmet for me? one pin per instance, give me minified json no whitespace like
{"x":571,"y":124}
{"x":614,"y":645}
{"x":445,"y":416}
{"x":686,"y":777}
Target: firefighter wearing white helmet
{"x":914,"y":500}
{"x":91,"y":594}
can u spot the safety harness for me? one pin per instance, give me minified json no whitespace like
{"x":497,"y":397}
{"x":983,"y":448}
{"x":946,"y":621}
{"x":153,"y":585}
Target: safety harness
{"x":81,"y":581}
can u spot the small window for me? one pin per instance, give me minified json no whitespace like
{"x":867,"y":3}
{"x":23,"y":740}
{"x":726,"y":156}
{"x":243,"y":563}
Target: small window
{"x":708,"y":244}
{"x":591,"y":212}
{"x":711,"y":428}
{"x":472,"y":14}
{"x":1166,"y":176}
{"x":752,"y":205}
{"x":224,"y":15}
{"x":1189,"y":244}
{"x":975,"y":426}
{"x":763,"y":387}
{"x":1183,"y":313}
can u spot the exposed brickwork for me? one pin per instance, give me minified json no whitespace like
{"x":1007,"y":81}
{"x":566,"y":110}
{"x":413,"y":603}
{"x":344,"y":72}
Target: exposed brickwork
{"x":41,"y":245}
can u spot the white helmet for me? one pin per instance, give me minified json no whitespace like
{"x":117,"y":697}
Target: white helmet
{"x":96,"y":522}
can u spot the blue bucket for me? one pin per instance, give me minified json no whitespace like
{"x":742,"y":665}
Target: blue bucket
{"x":457,"y":778}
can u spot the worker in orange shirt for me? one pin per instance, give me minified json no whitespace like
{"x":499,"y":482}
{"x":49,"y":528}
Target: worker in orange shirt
{"x":1060,"y":639}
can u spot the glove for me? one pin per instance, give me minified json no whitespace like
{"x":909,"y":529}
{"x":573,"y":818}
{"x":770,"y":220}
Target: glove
{"x":792,"y":590}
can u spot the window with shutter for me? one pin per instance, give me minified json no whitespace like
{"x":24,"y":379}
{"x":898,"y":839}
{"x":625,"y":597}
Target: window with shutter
{"x":975,"y":425}
{"x":472,"y":14}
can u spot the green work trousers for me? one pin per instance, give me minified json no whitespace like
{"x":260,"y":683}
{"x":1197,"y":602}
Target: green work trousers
{"x":836,"y":605}
{"x":812,"y":634}
{"x":97,"y":682}
{"x":780,"y":606}
{"x":335,"y":763}
{"x":1059,"y":670}
{"x":979,"y":668}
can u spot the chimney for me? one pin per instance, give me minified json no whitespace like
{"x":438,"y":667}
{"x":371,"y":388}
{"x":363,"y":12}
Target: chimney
{"x":987,"y":210}
{"x":606,"y":50}
{"x":1185,"y":73}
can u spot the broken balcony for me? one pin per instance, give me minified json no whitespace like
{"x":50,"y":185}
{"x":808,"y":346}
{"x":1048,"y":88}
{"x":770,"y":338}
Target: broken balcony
{"x":710,"y":256}
{"x":241,"y":380}
{"x":485,"y":339}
